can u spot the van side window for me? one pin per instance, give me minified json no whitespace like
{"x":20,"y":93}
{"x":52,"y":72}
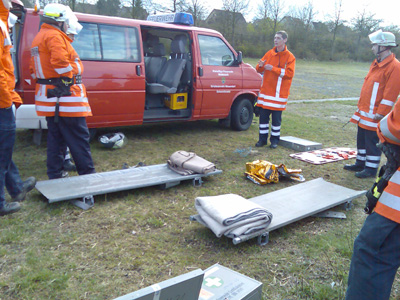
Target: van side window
{"x":87,"y":42}
{"x":119,"y":43}
{"x":214,"y":52}
{"x":107,"y":43}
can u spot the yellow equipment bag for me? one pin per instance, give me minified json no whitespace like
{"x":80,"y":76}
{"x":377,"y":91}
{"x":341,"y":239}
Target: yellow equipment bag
{"x":262,"y":172}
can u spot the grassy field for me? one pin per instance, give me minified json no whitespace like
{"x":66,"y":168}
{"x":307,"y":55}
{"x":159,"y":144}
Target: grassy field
{"x":134,"y":239}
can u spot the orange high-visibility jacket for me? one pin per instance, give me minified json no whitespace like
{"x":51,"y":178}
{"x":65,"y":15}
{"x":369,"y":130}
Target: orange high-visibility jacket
{"x":379,"y":92}
{"x":7,"y":77}
{"x":389,"y":127}
{"x":53,"y":56}
{"x":389,"y":131}
{"x":276,"y":83}
{"x":389,"y":202}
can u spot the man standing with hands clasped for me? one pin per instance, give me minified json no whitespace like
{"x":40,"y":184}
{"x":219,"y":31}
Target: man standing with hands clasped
{"x":277,"y":67}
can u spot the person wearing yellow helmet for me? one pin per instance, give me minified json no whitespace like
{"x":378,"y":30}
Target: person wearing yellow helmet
{"x":60,"y":95}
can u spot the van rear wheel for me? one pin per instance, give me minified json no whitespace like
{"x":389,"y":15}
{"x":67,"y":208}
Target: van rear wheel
{"x":241,"y":114}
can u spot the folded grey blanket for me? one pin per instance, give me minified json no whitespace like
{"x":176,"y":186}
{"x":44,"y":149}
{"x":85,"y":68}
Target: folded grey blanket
{"x":188,"y":163}
{"x":232,"y":215}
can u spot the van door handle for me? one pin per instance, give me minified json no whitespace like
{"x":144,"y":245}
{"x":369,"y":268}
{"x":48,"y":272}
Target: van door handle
{"x":138,"y":70}
{"x":200,"y":71}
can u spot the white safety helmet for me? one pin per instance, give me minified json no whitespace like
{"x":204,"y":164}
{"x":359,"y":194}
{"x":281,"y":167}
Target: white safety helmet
{"x":112,"y":140}
{"x":382,"y":38}
{"x":74,"y":28}
{"x":55,"y":12}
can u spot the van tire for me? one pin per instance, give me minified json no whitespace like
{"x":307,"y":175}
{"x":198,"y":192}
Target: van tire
{"x":241,"y":114}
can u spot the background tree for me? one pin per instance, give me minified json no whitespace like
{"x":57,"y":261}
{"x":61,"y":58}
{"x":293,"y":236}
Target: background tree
{"x":337,"y":21}
{"x":276,"y":13}
{"x":299,"y":24}
{"x":198,"y":11}
{"x":152,"y":7}
{"x":364,"y":24}
{"x":108,"y":7}
{"x":262,"y":20}
{"x":175,"y":6}
{"x":306,"y":14}
{"x":235,"y":9}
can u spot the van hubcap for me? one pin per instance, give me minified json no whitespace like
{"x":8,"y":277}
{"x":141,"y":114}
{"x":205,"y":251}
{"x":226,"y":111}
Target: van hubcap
{"x":244,"y":115}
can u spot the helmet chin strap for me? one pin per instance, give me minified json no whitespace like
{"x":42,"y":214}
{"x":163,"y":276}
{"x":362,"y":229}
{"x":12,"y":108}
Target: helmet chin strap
{"x":378,"y":54}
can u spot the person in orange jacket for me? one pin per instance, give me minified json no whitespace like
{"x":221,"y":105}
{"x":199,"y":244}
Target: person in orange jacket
{"x":60,"y":95}
{"x":9,"y":174}
{"x":277,"y":67}
{"x":376,"y":255}
{"x":378,"y":94}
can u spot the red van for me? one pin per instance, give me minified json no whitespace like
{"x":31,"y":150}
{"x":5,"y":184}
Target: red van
{"x":146,"y":72}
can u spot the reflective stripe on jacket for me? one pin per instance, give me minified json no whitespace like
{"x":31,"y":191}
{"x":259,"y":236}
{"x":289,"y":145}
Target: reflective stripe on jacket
{"x":379,"y":92}
{"x":7,"y":77}
{"x":389,"y":202}
{"x":389,"y":127}
{"x":276,"y":83}
{"x":52,"y":56}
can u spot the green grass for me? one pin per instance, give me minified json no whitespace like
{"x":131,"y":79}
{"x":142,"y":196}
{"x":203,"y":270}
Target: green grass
{"x":133,"y":239}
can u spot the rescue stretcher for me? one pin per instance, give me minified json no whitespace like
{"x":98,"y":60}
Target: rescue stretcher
{"x":80,"y":190}
{"x":297,"y":202}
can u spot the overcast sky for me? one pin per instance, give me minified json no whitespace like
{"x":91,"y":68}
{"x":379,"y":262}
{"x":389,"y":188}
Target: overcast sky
{"x":388,"y":11}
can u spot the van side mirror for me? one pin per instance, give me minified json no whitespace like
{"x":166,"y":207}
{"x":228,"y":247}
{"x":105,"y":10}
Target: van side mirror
{"x":239,"y":58}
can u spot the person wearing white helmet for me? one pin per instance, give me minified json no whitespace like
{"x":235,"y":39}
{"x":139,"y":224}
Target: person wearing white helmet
{"x":60,"y":95}
{"x":378,"y":94}
{"x":383,"y":42}
{"x":376,"y":254}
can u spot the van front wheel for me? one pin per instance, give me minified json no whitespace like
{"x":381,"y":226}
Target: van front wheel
{"x":241,"y":115}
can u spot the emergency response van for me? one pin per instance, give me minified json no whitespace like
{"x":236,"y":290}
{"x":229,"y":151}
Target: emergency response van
{"x":139,"y":72}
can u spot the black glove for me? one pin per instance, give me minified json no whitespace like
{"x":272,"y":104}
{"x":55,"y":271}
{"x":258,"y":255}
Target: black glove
{"x":375,"y":192}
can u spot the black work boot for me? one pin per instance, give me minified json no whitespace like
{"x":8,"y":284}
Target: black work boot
{"x":27,"y":186}
{"x":366,"y":173}
{"x":9,"y":208}
{"x":273,"y":145}
{"x":356,"y":167}
{"x":261,"y":143}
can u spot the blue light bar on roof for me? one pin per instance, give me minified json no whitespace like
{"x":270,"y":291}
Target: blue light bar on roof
{"x":174,"y":18}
